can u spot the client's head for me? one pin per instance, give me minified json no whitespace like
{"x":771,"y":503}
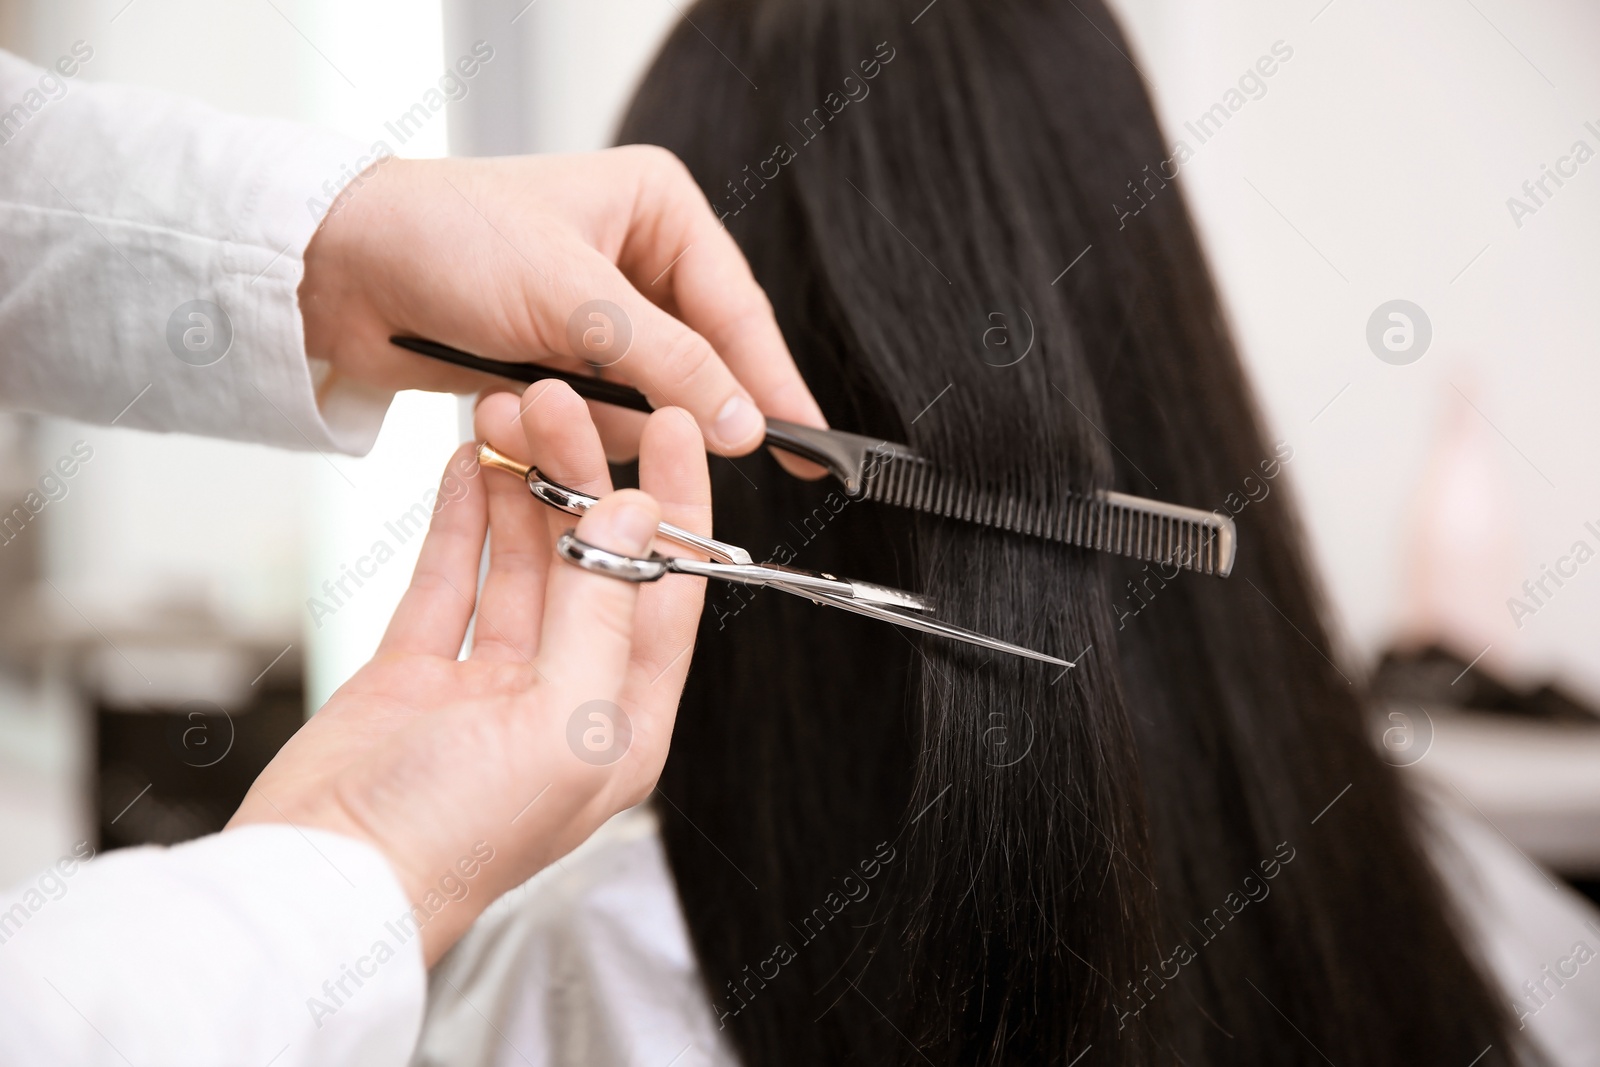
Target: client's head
{"x":1115,"y":862}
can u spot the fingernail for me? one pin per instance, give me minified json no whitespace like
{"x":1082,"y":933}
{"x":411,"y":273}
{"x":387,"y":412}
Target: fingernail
{"x":631,"y":529}
{"x":737,"y":422}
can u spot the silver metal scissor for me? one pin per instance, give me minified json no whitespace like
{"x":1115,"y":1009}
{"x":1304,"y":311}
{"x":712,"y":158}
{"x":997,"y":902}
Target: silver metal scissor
{"x":730,"y":563}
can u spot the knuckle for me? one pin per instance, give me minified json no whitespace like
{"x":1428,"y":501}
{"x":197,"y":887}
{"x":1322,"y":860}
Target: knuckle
{"x":516,"y":555}
{"x":611,"y":613}
{"x":520,"y":677}
{"x":674,"y":182}
{"x":434,"y":585}
{"x":490,"y":636}
{"x":639,"y":790}
{"x":747,"y":320}
{"x":666,"y":163}
{"x":688,"y":360}
{"x":654,"y":162}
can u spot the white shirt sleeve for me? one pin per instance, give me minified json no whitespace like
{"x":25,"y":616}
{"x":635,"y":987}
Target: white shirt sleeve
{"x":262,"y":945}
{"x":119,"y":208}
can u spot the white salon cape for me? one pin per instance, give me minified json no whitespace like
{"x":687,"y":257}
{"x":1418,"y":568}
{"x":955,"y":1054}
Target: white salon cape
{"x":118,"y":206}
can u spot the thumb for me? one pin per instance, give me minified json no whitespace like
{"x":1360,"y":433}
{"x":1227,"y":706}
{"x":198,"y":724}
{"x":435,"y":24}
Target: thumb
{"x":587,"y":634}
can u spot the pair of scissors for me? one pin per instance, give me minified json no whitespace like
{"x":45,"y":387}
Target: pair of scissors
{"x":730,"y":563}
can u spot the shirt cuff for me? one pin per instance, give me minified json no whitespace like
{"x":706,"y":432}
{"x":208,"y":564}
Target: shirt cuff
{"x":154,"y":248}
{"x":273,"y":392}
{"x":300,"y":174}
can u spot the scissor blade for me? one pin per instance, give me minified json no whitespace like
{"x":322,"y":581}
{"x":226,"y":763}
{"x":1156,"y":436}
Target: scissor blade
{"x":925,"y":625}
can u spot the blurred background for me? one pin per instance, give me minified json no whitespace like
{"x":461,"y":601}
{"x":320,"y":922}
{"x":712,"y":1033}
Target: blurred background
{"x":157,"y":644}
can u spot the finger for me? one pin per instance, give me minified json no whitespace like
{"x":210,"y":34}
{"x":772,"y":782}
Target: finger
{"x":684,"y":260}
{"x":556,"y":436}
{"x":551,"y":429}
{"x":672,"y":469}
{"x":433,"y":614}
{"x":666,"y":360}
{"x":561,"y":440}
{"x":589,"y":618}
{"x":619,"y":430}
{"x":619,"y":427}
{"x":681,"y":257}
{"x":512,"y":600}
{"x":498,"y":419}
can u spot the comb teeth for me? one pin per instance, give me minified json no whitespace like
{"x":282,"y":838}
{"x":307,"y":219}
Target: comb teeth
{"x":1109,"y":522}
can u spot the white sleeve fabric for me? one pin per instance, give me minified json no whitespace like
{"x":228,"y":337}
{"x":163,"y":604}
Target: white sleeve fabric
{"x":119,"y":206}
{"x":1537,"y":939}
{"x":587,"y":963}
{"x":262,"y":945}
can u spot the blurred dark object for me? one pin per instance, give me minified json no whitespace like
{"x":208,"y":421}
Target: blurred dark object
{"x":165,"y":774}
{"x":19,"y":546}
{"x":1434,"y":676}
{"x":172,"y":765}
{"x":182,"y":705}
{"x":1589,"y":887}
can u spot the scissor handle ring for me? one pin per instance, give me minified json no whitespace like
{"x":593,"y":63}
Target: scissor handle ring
{"x":557,"y":495}
{"x":611,"y":564}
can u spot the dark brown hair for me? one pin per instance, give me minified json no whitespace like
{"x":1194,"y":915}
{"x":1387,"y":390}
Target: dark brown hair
{"x":901,"y":850}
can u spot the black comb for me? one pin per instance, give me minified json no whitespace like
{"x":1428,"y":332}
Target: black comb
{"x":874,"y":469}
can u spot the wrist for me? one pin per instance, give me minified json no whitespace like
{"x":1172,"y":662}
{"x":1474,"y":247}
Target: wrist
{"x":380,"y":265}
{"x":329,"y":291}
{"x":447,"y":899}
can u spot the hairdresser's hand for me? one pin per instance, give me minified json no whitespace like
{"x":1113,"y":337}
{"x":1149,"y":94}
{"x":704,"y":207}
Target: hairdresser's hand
{"x":471,"y":775}
{"x":504,"y":257}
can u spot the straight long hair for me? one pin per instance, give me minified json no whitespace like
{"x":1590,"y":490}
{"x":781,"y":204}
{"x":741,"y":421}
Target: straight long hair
{"x":892,"y":849}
